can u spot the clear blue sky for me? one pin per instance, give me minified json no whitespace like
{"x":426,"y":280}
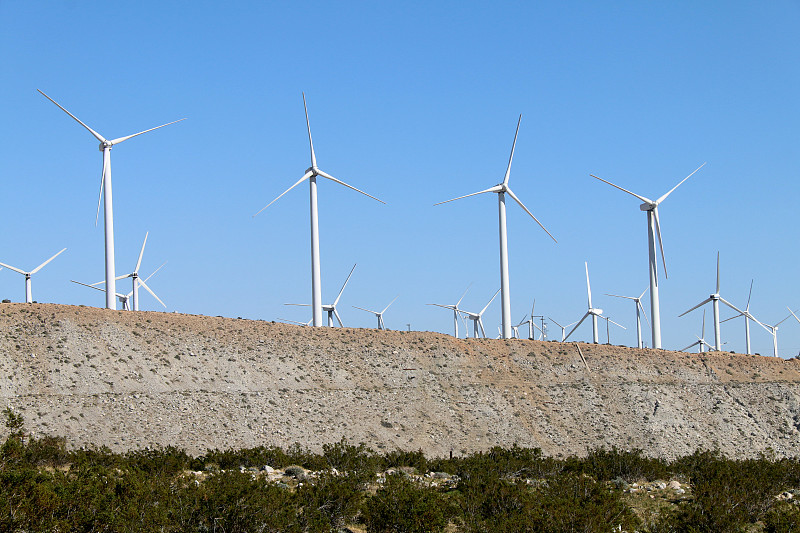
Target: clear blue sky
{"x":415,"y":103}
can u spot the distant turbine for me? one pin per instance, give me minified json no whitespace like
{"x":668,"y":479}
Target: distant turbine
{"x":123,"y":298}
{"x":379,"y":314}
{"x":774,"y":332}
{"x":28,"y":295}
{"x":701,"y":340}
{"x":715,"y":299}
{"x":502,"y":189}
{"x":637,"y":302}
{"x":653,"y":231}
{"x":311,"y":175}
{"x":747,"y":318}
{"x":296,"y":322}
{"x":477,"y":321}
{"x":456,"y":311}
{"x":331,"y":308}
{"x":593,"y":312}
{"x":136,"y":281}
{"x":105,"y":185}
{"x":563,"y":328}
{"x":531,"y":325}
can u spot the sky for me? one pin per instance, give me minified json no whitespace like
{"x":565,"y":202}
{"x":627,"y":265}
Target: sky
{"x":414,"y":103}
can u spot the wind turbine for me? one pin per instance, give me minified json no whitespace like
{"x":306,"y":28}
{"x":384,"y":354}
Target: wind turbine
{"x":331,"y":308}
{"x":105,"y":194}
{"x":774,"y":331}
{"x":531,"y":324}
{"x":456,"y":311}
{"x":715,"y":299}
{"x":653,"y":231}
{"x":123,"y":298}
{"x":136,"y":281}
{"x":311,"y":175}
{"x":701,"y":340}
{"x":637,"y":303}
{"x":592,"y":311}
{"x":296,"y":322}
{"x":477,"y":321}
{"x":28,"y":296}
{"x":379,"y":314}
{"x":502,"y":189}
{"x":563,"y":328}
{"x":747,"y":318}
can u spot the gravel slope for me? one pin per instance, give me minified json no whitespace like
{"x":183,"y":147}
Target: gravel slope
{"x":129,"y":380}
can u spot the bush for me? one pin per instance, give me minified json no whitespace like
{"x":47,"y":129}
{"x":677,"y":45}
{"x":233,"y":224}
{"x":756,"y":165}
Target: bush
{"x":401,"y":506}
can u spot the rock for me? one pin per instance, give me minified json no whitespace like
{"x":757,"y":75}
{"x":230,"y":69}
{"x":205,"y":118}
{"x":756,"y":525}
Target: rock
{"x":674,"y":485}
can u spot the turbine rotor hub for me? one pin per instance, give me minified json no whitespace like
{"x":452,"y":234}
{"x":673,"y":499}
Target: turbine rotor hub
{"x":104,"y":145}
{"x":647,"y":207}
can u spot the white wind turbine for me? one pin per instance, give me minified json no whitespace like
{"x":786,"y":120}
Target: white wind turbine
{"x":123,"y":298}
{"x":502,"y":189}
{"x":105,"y":194}
{"x":637,"y":302}
{"x":747,"y":318}
{"x":311,"y":175}
{"x":456,"y":311}
{"x":715,"y":299}
{"x":477,"y":321}
{"x":774,"y":332}
{"x":137,"y":281}
{"x":331,"y":308}
{"x":701,"y":340}
{"x":653,"y":231}
{"x":563,"y":328}
{"x":531,"y":325}
{"x":28,"y":295}
{"x":592,"y":311}
{"x":379,"y":314}
{"x":296,"y":322}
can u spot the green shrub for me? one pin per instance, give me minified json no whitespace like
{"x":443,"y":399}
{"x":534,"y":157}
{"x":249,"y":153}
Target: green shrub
{"x":401,"y":506}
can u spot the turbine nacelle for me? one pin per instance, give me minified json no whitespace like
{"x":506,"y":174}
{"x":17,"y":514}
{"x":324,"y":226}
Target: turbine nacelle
{"x":648,"y":206}
{"x":106,"y":144}
{"x":596,"y":311}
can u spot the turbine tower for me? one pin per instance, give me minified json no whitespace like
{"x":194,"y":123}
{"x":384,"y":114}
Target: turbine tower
{"x":105,"y":195}
{"x":637,"y":303}
{"x":28,"y":294}
{"x":608,"y":328}
{"x":477,"y":321}
{"x":123,"y":298}
{"x":137,"y":281}
{"x":653,"y":231}
{"x":502,"y":189}
{"x":331,"y":308}
{"x":379,"y":314}
{"x":311,"y":175}
{"x":456,"y":311}
{"x":715,"y":299}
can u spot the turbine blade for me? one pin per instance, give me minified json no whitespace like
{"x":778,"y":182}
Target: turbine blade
{"x":556,"y":323}
{"x":94,"y":133}
{"x":465,"y":293}
{"x":726,"y":302}
{"x":695,"y":307}
{"x":717,"y":292}
{"x":691,"y":345}
{"x":87,"y":285}
{"x":307,"y":175}
{"x":310,"y":142}
{"x":660,"y":242}
{"x":122,"y":277}
{"x":340,"y":182}
{"x":679,"y":184}
{"x":154,"y":271}
{"x":451,"y":307}
{"x":642,"y":198}
{"x":785,"y":319}
{"x":300,"y":305}
{"x":338,"y":318}
{"x":588,"y":287}
{"x":514,"y":196}
{"x":618,"y":296}
{"x":14,"y":269}
{"x":511,"y":157}
{"x":119,"y":140}
{"x":731,"y":318}
{"x":703,"y":331}
{"x":141,"y":253}
{"x":490,"y":303}
{"x":390,"y":303}
{"x":576,"y":326}
{"x":143,"y":284}
{"x":794,"y":315}
{"x":620,"y":325}
{"x":496,"y":188}
{"x":367,"y":310}
{"x":644,"y":291}
{"x":749,"y":295}
{"x":643,"y":312}
{"x":102,"y":184}
{"x":336,"y":301}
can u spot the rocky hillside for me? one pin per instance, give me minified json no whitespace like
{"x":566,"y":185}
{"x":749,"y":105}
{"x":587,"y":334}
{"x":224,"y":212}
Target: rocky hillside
{"x":130,"y":380}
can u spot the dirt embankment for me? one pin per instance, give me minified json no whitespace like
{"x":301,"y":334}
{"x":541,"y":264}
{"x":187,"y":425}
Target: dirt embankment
{"x":129,"y":380}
